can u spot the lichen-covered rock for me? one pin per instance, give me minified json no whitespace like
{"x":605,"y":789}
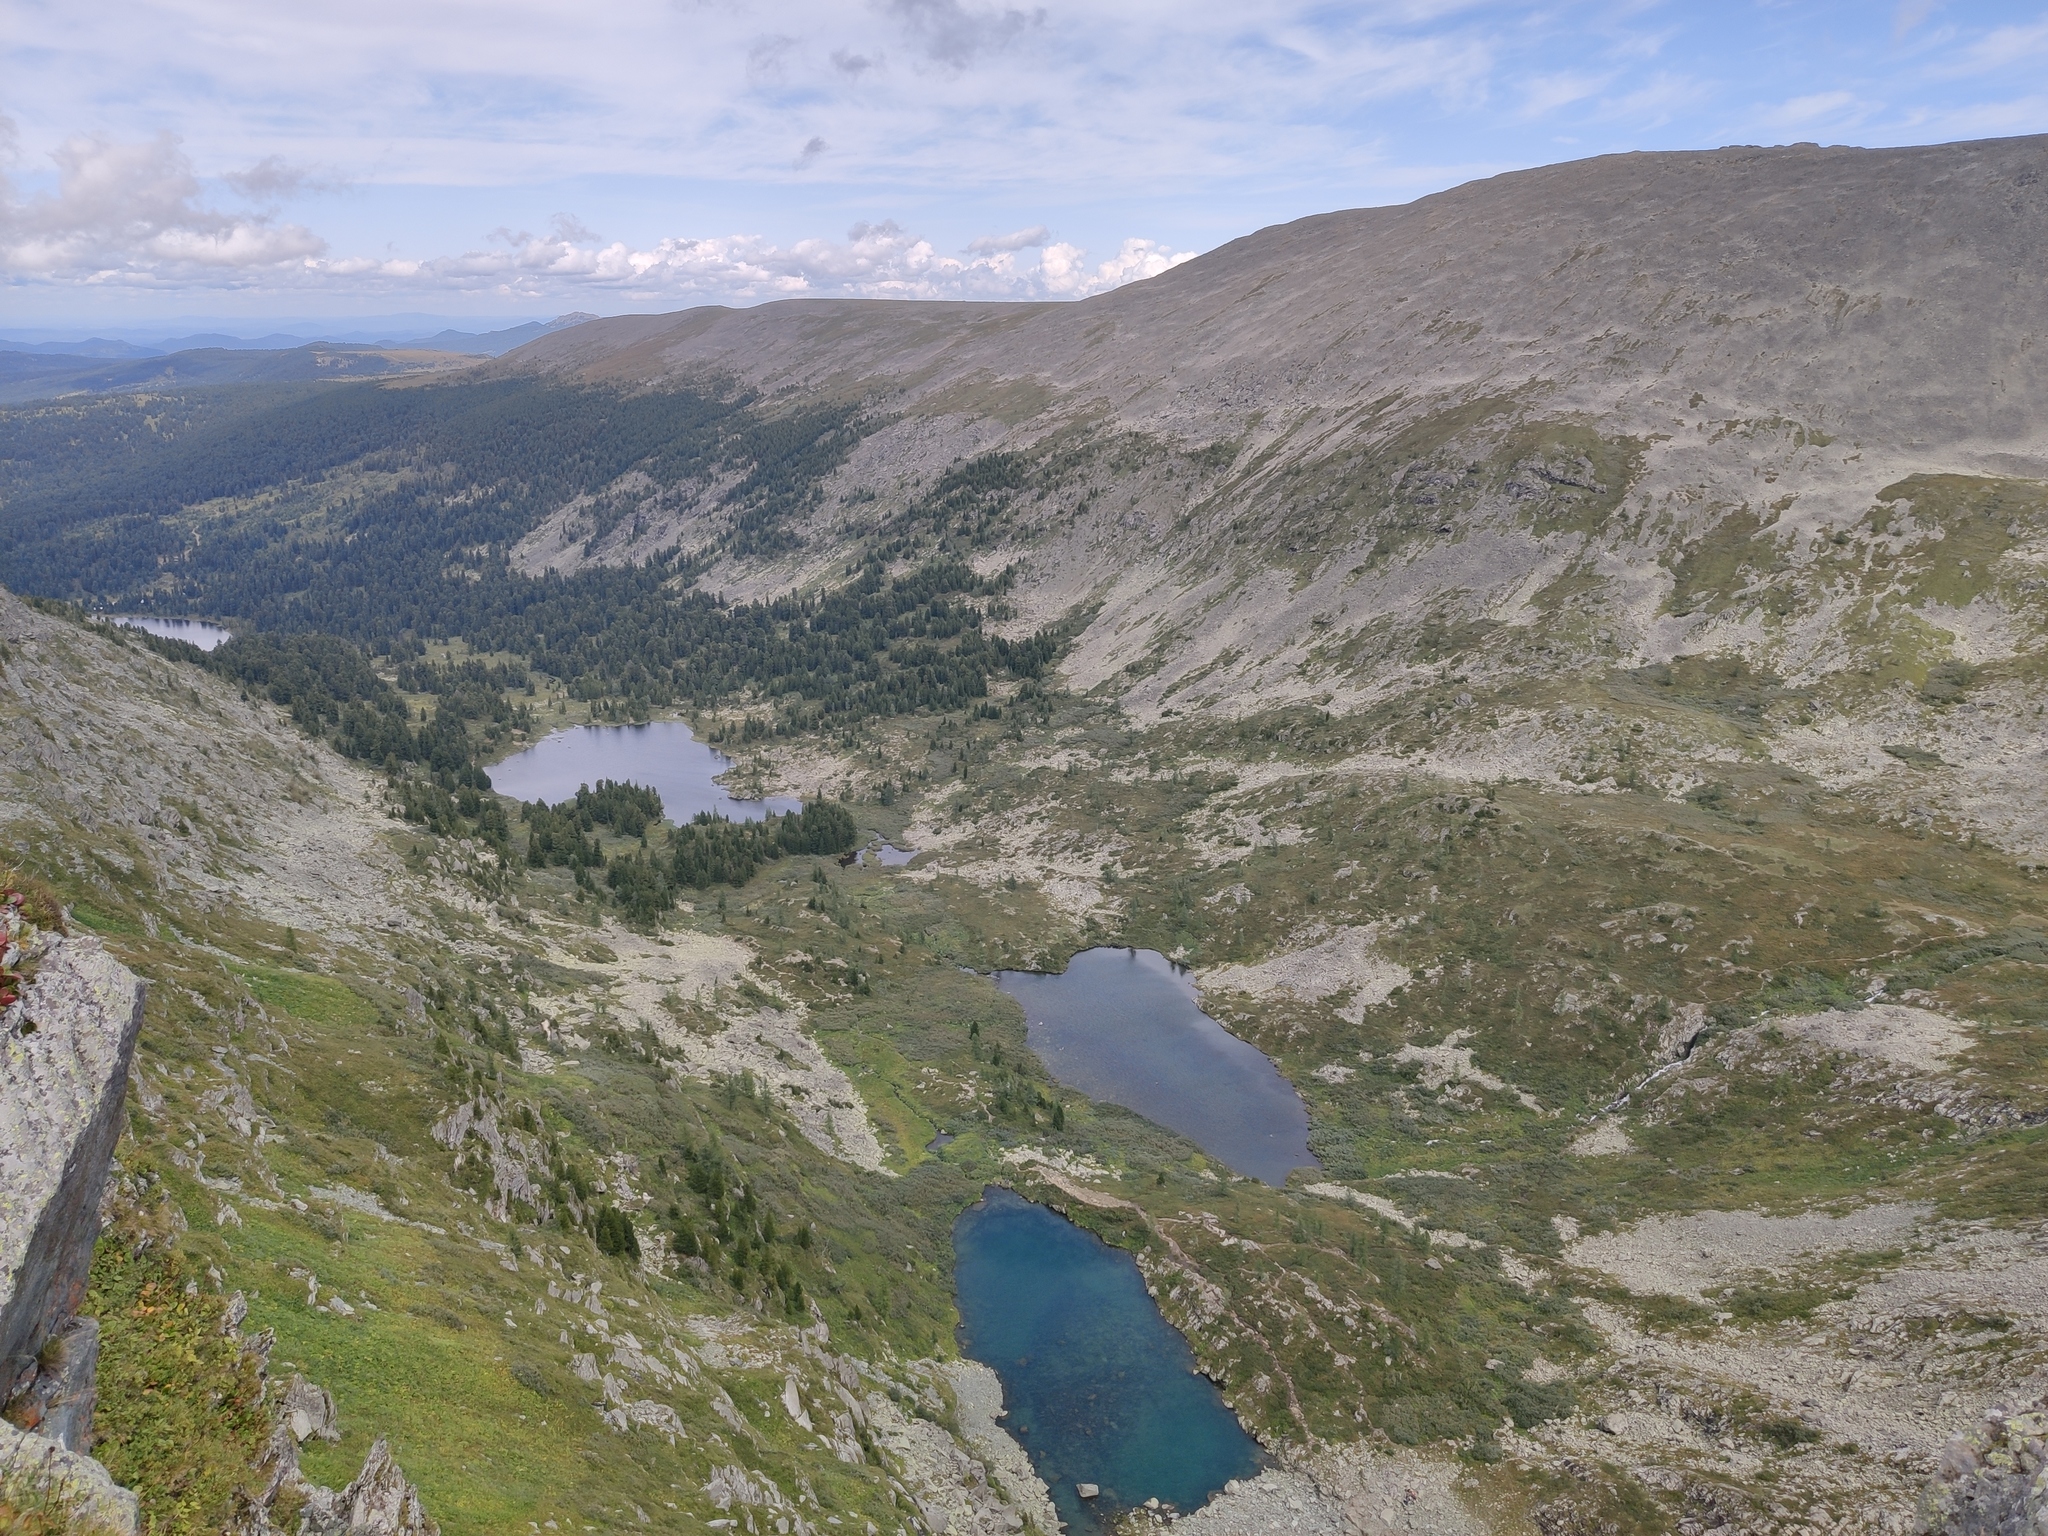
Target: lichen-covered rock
{"x":58,"y":1401}
{"x":380,"y":1502}
{"x":308,"y":1411}
{"x":63,"y":1075}
{"x":36,"y":1473}
{"x":730,"y":1485}
{"x":1993,"y":1480}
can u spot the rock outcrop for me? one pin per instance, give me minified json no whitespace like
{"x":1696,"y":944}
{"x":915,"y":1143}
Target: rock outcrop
{"x":380,"y":1502}
{"x":65,"y":1074}
{"x":67,"y":1048}
{"x":1993,"y":1481}
{"x":36,"y":1473}
{"x":69,"y":1041}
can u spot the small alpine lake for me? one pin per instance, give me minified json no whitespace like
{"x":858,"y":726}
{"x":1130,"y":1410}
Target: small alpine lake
{"x":1125,"y":1026}
{"x":663,"y":755}
{"x":192,"y":631}
{"x":1100,"y":1388}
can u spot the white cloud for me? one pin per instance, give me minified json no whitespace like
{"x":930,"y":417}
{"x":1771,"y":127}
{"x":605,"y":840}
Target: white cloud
{"x":274,"y":180}
{"x":1016,"y":240}
{"x":2003,"y":48}
{"x":953,"y":34}
{"x":769,"y":57}
{"x":132,"y":210}
{"x":417,"y":92}
{"x":128,"y":214}
{"x":1065,"y":276}
{"x":1656,"y":101}
{"x":874,"y":261}
{"x":1984,"y":119}
{"x":1908,"y":15}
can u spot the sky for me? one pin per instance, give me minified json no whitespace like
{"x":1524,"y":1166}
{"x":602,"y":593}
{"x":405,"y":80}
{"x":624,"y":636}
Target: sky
{"x":169,"y":160}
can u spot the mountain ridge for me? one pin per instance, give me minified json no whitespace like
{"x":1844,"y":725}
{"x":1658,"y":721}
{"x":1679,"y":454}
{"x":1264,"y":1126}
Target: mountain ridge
{"x":1658,"y":405}
{"x":1833,"y":266}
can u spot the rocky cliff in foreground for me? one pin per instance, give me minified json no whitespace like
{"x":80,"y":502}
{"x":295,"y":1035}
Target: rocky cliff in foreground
{"x":69,"y":1041}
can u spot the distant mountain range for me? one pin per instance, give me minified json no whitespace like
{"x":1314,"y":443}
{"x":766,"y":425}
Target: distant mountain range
{"x":493,"y":343}
{"x":25,"y":376}
{"x":100,"y":365}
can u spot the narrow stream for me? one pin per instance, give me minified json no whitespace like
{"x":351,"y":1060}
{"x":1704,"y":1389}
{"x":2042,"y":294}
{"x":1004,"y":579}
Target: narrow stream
{"x":1125,"y":1026}
{"x":1099,"y":1387}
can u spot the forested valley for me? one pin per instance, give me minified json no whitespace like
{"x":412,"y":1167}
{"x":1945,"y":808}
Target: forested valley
{"x":132,"y":506}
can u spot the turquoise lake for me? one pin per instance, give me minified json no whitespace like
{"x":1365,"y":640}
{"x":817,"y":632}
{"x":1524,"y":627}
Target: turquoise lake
{"x":1125,"y":1026}
{"x":1100,"y":1388}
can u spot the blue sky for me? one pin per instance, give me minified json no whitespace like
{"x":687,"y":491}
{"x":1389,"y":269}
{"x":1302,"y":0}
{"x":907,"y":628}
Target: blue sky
{"x":526,"y":157}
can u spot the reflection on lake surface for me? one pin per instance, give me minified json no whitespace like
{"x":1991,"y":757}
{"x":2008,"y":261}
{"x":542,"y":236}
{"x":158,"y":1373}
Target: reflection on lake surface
{"x":1124,"y":1026}
{"x":1100,"y":1388}
{"x":192,"y":631}
{"x":662,"y":755}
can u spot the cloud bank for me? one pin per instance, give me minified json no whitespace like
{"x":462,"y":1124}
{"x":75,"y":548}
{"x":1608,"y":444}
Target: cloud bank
{"x":130,"y":214}
{"x":874,"y":261}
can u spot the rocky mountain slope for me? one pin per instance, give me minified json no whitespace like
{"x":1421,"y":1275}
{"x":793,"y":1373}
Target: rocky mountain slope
{"x":1781,"y":405}
{"x":312,"y":1152}
{"x":1884,"y":293}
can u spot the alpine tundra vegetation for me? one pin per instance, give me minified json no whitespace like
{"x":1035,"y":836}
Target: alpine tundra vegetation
{"x":1561,"y":662}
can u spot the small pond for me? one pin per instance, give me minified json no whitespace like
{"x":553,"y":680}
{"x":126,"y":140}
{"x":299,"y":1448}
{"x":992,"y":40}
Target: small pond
{"x":192,"y":631}
{"x":663,"y":755}
{"x":1100,"y":1388}
{"x":887,"y":856}
{"x":1125,"y":1026}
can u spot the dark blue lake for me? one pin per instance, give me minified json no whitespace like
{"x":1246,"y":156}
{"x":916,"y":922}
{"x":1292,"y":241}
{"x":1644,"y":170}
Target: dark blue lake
{"x":1125,"y":1026}
{"x":1100,"y":1388}
{"x":663,"y":755}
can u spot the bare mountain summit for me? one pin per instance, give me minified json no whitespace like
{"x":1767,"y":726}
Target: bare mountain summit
{"x":1887,"y":293}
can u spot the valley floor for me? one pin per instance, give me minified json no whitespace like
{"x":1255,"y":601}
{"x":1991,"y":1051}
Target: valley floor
{"x":1681,"y":1154}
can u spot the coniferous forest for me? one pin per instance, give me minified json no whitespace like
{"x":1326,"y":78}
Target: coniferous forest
{"x":442,"y":480}
{"x":342,"y":530}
